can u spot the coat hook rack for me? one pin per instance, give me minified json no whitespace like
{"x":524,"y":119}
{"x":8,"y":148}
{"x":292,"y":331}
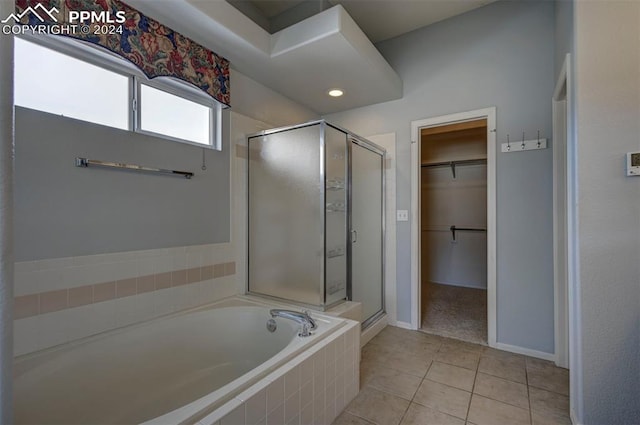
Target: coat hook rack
{"x":538,"y":145}
{"x":525,"y":145}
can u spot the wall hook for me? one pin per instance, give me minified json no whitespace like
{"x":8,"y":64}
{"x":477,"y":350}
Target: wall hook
{"x":525,"y":145}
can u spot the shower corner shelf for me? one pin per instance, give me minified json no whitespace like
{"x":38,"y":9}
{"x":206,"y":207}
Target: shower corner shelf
{"x":334,"y":185}
{"x":336,"y":252}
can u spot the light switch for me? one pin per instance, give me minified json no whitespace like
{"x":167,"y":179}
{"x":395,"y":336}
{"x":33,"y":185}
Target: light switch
{"x":402,"y":215}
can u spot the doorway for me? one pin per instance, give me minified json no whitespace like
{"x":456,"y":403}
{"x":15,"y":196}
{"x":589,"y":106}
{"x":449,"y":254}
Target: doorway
{"x":453,"y":239}
{"x":453,"y":234}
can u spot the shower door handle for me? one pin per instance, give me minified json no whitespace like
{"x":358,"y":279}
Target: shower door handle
{"x":354,"y":236}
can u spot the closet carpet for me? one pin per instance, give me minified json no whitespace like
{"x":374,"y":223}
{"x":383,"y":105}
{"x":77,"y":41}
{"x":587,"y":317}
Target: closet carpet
{"x":454,"y":312}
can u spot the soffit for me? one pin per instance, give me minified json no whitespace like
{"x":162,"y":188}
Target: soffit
{"x":302,"y":62}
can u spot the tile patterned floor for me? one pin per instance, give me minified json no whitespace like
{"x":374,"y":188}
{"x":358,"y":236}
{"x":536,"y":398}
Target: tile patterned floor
{"x":411,"y":378}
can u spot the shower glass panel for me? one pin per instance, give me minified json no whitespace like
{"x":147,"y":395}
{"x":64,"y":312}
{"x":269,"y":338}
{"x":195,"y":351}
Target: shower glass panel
{"x":367,"y":232}
{"x":286,"y":215}
{"x":336,"y":214}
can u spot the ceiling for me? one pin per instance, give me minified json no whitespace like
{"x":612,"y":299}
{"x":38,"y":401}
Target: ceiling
{"x":271,"y":8}
{"x":331,"y":47}
{"x":379,"y":19}
{"x":384,"y":19}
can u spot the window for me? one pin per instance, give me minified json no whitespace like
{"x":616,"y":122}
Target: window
{"x":166,"y":113}
{"x":63,"y":85}
{"x":81,"y":82}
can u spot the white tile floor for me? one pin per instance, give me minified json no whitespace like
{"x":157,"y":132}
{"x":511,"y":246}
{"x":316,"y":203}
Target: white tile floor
{"x":411,"y":378}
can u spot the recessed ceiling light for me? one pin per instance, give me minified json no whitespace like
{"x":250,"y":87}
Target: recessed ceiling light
{"x":335,"y":92}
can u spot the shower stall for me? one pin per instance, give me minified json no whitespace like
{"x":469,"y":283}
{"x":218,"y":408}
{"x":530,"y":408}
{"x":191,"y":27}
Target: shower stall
{"x":316,"y":217}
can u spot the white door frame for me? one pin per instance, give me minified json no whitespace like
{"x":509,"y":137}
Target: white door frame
{"x":490,"y":115}
{"x":561,"y":208}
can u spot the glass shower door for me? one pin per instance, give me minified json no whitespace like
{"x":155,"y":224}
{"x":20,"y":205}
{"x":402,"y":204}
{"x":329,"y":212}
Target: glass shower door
{"x":367,"y":231}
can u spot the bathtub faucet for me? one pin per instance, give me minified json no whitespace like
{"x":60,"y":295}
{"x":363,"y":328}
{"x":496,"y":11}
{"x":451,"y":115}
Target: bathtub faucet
{"x":307,"y":323}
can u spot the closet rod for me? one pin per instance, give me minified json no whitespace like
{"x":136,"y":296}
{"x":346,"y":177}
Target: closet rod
{"x":453,"y":164}
{"x":455,"y":229}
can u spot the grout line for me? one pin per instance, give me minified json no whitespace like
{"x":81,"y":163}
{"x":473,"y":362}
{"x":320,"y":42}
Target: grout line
{"x":473,"y":389}
{"x":395,"y":395}
{"x":417,"y":389}
{"x":547,"y":390}
{"x":472,"y":393}
{"x":477,"y":371}
{"x":526,"y":379}
{"x":502,"y":401}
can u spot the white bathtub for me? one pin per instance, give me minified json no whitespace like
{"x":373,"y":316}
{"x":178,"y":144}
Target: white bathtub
{"x":177,"y":369}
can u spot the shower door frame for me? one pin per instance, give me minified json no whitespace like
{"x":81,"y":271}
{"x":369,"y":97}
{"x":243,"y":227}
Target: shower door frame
{"x":366,"y":144}
{"x":350,"y":138}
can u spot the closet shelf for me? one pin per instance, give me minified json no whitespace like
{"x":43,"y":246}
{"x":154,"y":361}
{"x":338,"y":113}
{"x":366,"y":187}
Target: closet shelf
{"x":453,"y":164}
{"x":455,"y":229}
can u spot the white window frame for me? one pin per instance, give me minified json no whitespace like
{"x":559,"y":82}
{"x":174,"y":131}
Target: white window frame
{"x":114,"y":63}
{"x":181,"y":92}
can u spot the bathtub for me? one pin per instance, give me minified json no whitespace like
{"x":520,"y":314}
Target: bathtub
{"x":210,"y":365}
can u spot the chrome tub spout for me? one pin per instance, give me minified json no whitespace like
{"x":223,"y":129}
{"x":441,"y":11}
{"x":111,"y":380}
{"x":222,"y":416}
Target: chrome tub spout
{"x":306,"y":322}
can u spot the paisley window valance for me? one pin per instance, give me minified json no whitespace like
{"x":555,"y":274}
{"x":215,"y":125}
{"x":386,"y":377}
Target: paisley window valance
{"x":154,"y":48}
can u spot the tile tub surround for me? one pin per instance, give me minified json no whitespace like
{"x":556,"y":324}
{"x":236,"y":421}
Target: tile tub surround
{"x":61,"y":299}
{"x":64,"y":299}
{"x":312,"y":388}
{"x":408,"y":377}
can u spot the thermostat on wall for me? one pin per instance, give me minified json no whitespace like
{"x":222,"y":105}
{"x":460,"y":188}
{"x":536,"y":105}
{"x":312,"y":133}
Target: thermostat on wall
{"x":633,"y":163}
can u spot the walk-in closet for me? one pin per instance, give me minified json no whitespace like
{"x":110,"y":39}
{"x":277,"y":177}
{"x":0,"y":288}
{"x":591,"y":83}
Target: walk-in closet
{"x":453,"y":217}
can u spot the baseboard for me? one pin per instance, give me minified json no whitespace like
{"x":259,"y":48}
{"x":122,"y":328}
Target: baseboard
{"x":572,"y":415}
{"x":458,"y":285}
{"x":403,"y":325}
{"x":526,"y":351}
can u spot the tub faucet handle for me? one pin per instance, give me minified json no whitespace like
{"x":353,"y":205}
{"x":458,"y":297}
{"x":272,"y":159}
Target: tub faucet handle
{"x":312,"y":323}
{"x":304,"y":330}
